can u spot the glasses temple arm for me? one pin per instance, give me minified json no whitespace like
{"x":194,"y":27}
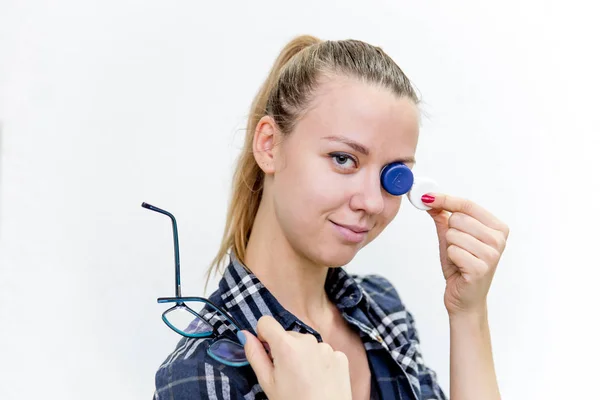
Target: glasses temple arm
{"x":175,"y":242}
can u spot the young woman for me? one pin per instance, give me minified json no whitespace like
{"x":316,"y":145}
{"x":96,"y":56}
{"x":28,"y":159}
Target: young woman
{"x":307,"y":196}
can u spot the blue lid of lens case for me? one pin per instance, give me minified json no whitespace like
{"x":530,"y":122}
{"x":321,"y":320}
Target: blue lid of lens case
{"x":396,"y":178}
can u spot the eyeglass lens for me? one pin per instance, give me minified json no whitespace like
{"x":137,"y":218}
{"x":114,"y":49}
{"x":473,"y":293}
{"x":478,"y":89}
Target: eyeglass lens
{"x":187,"y":319}
{"x":191,"y":320}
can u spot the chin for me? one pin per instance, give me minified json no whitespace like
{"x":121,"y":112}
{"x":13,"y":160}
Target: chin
{"x":337,"y":255}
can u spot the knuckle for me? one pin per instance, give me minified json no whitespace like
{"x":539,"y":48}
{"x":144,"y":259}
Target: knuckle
{"x":500,"y":241}
{"x":451,"y":233}
{"x":340,"y":357}
{"x":262,"y":321}
{"x":453,"y":249}
{"x":476,"y":273}
{"x":480,"y":270}
{"x":454,"y":219}
{"x":468,"y":206}
{"x":491,"y":254}
{"x":308,"y":338}
{"x":325,"y":347}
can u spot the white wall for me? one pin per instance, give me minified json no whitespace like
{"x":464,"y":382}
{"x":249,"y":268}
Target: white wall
{"x":107,"y":104}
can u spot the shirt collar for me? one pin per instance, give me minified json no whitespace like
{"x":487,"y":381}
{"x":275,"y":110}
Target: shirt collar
{"x":244,"y":296}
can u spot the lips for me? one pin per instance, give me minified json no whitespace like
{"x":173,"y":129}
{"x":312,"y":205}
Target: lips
{"x":351,"y":233}
{"x":354,"y":228}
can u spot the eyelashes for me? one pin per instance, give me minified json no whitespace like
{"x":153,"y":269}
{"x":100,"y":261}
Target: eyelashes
{"x":344,"y":161}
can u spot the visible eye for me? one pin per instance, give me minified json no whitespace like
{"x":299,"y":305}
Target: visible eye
{"x":344,"y":161}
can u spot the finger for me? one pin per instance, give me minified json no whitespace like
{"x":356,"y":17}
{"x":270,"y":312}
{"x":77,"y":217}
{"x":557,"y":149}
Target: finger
{"x":259,"y":360}
{"x":456,"y":204}
{"x":298,"y":335}
{"x":471,"y":267}
{"x":342,"y":359}
{"x":304,"y":336}
{"x":271,"y":332}
{"x":472,"y":245}
{"x":325,"y":348}
{"x":440,"y":217}
{"x":473,"y":227}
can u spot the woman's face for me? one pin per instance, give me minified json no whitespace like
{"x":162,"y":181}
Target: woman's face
{"x":326,"y":191}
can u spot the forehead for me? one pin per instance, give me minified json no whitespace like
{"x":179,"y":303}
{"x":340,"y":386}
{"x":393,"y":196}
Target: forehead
{"x":385,"y":123}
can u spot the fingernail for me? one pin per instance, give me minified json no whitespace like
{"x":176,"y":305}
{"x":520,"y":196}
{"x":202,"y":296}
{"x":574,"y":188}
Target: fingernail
{"x":427,"y":199}
{"x":241,"y":337}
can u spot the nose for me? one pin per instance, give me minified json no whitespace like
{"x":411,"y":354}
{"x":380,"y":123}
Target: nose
{"x":369,"y":195}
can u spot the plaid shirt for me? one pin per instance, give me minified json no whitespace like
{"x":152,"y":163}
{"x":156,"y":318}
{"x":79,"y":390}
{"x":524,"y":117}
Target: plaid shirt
{"x":369,"y":303}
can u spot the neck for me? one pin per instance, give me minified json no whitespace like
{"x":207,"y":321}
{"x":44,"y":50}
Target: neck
{"x":296,"y":282}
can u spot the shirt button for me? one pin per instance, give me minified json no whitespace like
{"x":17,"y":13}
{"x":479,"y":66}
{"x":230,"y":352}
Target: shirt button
{"x":379,"y":339}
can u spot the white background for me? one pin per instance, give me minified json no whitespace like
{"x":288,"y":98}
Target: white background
{"x":105,"y":104}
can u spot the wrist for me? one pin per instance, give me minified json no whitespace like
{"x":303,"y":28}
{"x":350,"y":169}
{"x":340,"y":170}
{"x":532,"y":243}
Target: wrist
{"x":474,"y":317}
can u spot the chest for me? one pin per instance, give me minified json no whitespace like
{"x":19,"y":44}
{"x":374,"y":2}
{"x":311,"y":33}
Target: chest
{"x":347,"y":341}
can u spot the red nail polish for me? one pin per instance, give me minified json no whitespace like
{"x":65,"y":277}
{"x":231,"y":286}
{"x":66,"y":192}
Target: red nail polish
{"x":427,"y":199}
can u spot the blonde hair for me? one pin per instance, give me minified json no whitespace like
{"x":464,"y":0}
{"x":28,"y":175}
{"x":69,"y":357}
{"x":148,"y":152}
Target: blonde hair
{"x":285,"y":95}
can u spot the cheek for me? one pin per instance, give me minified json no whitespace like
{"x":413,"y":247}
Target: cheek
{"x":390,"y":211}
{"x":311,"y":185}
{"x":394,"y":206}
{"x":297,"y":197}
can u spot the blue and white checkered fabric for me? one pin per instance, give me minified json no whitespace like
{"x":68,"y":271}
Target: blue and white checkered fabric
{"x":369,"y":303}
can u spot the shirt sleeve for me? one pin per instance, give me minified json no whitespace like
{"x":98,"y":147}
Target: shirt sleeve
{"x":184,"y":376}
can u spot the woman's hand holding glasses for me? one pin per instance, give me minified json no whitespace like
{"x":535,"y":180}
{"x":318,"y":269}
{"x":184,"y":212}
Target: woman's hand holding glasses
{"x":297,"y":365}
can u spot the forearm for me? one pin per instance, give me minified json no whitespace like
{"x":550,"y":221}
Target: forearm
{"x":472,"y":374}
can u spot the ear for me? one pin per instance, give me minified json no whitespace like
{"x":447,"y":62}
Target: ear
{"x":265,"y":136}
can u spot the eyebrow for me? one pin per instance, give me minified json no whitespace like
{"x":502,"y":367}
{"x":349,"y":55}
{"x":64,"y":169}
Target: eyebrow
{"x":363,"y":149}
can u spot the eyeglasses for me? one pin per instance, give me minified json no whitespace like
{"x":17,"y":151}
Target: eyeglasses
{"x":191,"y":316}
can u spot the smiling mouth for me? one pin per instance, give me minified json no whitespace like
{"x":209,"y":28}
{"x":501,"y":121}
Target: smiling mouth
{"x":351,"y":234}
{"x":353,"y":228}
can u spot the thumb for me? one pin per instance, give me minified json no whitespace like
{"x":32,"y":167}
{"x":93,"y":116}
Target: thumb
{"x":259,"y":359}
{"x":440,"y":217}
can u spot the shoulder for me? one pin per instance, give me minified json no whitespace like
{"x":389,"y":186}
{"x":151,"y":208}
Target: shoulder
{"x":189,"y":373}
{"x":387,"y":305}
{"x":381,"y":291}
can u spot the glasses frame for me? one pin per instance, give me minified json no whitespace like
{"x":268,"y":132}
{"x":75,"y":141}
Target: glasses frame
{"x":180,"y":302}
